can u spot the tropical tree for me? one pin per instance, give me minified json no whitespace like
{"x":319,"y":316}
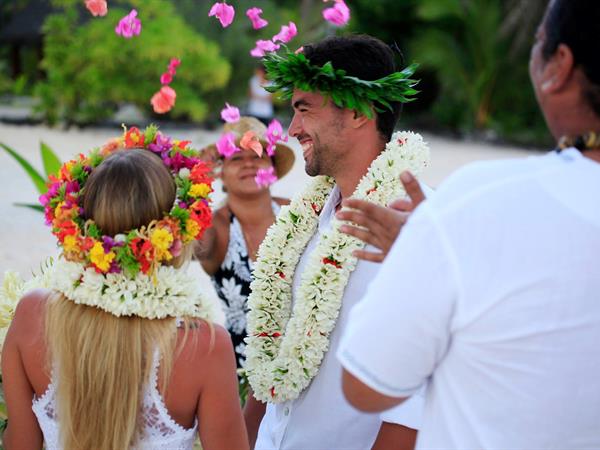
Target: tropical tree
{"x":90,"y":70}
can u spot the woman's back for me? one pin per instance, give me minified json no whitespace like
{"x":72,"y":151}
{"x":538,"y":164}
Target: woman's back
{"x":203,"y":373}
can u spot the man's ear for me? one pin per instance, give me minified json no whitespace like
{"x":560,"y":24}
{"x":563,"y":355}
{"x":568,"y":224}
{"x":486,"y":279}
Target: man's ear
{"x":558,"y":70}
{"x":359,"y":120}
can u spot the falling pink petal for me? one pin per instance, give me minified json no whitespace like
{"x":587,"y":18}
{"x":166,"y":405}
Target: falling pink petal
{"x":164,"y":100}
{"x":230,"y":114}
{"x":97,"y":7}
{"x":338,"y":14}
{"x":286,"y":34}
{"x":262,"y":47}
{"x":224,"y":12}
{"x":254,"y":16}
{"x":166,"y":78}
{"x":129,"y":25}
{"x":274,"y":135}
{"x":174,"y":63}
{"x":265,"y":177}
{"x":226,"y":145}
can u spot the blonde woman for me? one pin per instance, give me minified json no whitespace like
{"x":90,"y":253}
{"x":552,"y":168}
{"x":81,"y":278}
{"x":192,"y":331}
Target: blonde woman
{"x":109,"y":369}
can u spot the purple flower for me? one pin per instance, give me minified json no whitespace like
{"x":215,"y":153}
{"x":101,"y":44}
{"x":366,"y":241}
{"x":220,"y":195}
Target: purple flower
{"x":263,"y":46}
{"x":286,"y":34}
{"x":129,"y":25}
{"x":108,"y":243}
{"x":161,"y":144}
{"x":254,"y":16}
{"x":274,"y":135}
{"x":338,"y":15}
{"x":230,"y":114}
{"x":178,"y":161}
{"x":226,"y":145}
{"x":265,"y":177}
{"x":224,"y":12}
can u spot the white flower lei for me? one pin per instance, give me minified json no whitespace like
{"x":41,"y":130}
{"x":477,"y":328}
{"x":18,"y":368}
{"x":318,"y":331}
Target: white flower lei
{"x":169,"y":292}
{"x":284,"y":348}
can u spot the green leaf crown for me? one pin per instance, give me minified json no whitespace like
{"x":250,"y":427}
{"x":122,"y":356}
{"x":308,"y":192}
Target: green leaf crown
{"x":289,"y":71}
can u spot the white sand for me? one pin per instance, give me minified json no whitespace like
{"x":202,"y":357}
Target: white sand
{"x":25,"y":241}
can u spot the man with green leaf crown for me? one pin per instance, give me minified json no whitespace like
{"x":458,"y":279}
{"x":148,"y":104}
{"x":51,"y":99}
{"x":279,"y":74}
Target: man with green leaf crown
{"x":346,"y":95}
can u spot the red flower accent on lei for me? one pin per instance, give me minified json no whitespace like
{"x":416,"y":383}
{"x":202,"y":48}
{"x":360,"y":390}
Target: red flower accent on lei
{"x":332,"y":262}
{"x":144,"y":253}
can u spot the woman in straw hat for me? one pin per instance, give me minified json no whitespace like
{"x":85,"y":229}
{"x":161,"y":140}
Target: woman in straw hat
{"x":97,"y":361}
{"x":228,"y":250}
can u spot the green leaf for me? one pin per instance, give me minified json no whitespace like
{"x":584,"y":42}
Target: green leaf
{"x":39,"y":208}
{"x":51,"y":162}
{"x":38,"y":180}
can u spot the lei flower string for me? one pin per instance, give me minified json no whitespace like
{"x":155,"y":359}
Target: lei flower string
{"x":140,"y":250}
{"x":284,"y":347}
{"x":293,"y":70}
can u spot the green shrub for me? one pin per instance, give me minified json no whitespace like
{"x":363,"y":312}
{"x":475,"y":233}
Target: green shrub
{"x":90,"y":70}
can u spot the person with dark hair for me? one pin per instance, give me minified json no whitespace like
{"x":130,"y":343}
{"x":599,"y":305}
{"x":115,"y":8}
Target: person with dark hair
{"x":346,"y":96}
{"x":499,"y":279}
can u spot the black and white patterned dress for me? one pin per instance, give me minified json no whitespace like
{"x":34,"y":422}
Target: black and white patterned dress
{"x":232,"y":283}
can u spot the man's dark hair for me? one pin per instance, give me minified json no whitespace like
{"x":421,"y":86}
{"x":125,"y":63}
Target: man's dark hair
{"x":574,"y":23}
{"x":364,"y":57}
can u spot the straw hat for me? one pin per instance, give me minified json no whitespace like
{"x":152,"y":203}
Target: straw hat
{"x":283,"y":159}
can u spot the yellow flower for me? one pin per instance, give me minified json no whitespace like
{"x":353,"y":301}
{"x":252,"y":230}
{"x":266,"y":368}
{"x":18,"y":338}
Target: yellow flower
{"x":200,"y":190}
{"x":100,"y":259}
{"x":71,"y":244}
{"x":192,"y":228}
{"x":161,"y":240}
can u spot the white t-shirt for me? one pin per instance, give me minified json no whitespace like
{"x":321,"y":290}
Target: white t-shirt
{"x":492,"y":293}
{"x":321,"y":418}
{"x":260,"y":103}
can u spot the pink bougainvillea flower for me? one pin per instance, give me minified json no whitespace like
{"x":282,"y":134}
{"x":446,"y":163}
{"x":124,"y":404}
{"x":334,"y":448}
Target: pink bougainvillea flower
{"x":250,"y":141}
{"x":166,"y":78}
{"x":226,"y":145}
{"x":274,"y":135}
{"x":164,"y":100}
{"x":287,"y":33}
{"x":265,"y":177}
{"x":254,"y":16}
{"x":224,"y":12}
{"x":129,"y":25}
{"x":230,"y":114}
{"x":97,"y":7}
{"x":338,"y":14}
{"x":174,"y":64}
{"x":262,"y":47}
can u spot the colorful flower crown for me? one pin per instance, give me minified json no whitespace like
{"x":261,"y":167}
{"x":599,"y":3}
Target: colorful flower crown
{"x":291,"y":70}
{"x":138,"y":250}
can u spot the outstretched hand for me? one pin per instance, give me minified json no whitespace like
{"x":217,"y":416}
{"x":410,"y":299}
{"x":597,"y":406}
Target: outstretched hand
{"x":377,"y":225}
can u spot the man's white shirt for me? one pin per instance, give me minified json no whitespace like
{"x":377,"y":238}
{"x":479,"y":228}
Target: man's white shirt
{"x":321,"y":418}
{"x":492,"y":295}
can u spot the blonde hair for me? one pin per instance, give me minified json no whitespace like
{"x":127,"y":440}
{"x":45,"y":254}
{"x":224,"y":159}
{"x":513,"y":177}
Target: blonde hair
{"x":103,"y":362}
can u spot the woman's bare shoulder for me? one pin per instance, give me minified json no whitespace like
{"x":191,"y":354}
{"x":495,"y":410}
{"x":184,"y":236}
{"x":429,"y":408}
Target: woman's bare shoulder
{"x":31,"y":306}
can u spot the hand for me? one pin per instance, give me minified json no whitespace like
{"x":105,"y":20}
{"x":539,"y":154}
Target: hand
{"x":377,"y":225}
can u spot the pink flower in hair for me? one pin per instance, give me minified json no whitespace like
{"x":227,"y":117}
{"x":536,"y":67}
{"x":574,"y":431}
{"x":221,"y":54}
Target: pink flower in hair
{"x":286,"y":34}
{"x":338,"y":14}
{"x":265,"y":177}
{"x":224,"y":12}
{"x":129,"y":25}
{"x":230,"y":114}
{"x":97,"y":7}
{"x":274,"y":134}
{"x":164,"y":100}
{"x":226,"y":145}
{"x":262,"y":47}
{"x":254,"y":16}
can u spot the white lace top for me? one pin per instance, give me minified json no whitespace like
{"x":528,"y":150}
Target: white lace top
{"x":160,"y":431}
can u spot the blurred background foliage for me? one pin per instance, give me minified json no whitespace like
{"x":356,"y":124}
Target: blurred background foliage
{"x":473,"y":56}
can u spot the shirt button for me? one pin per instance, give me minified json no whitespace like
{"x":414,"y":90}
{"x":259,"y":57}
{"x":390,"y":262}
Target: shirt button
{"x":286,"y":411}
